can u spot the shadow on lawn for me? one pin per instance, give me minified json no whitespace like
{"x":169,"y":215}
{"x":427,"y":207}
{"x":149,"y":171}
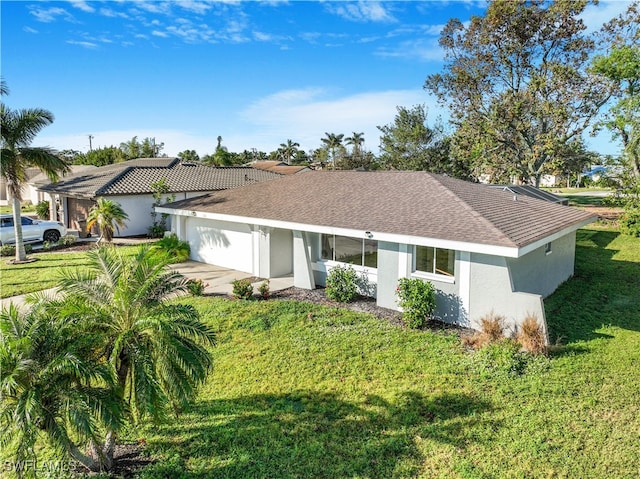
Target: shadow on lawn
{"x":310,"y":434}
{"x":602,"y":292}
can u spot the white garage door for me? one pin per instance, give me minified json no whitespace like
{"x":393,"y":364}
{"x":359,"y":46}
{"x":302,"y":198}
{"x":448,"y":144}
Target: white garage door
{"x":220,"y":243}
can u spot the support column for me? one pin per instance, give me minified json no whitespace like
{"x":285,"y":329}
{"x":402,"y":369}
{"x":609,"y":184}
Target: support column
{"x":302,"y":270}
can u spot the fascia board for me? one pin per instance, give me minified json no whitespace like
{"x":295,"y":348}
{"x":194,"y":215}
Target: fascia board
{"x":493,"y":250}
{"x":547,"y":239}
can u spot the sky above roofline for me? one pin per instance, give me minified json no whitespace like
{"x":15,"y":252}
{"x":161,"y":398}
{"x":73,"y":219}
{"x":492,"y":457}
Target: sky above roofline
{"x":255,"y":73}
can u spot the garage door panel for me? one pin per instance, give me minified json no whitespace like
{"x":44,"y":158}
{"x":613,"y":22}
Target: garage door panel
{"x":220,"y":243}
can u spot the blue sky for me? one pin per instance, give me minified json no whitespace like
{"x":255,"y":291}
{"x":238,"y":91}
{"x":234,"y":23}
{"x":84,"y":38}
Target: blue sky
{"x":255,"y":73}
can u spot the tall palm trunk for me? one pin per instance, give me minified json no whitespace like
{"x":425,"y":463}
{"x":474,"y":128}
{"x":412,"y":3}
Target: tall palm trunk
{"x":21,"y":254}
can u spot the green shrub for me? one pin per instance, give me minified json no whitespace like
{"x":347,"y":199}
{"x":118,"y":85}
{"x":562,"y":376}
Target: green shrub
{"x":417,"y":298}
{"x":630,"y":222}
{"x":506,"y":358}
{"x":196,"y":287}
{"x":10,"y":250}
{"x":264,"y":290}
{"x":175,"y":249}
{"x":42,"y":210}
{"x":242,"y":288}
{"x":156,"y":231}
{"x":47,"y":245}
{"x":67,"y":240}
{"x":342,"y":284}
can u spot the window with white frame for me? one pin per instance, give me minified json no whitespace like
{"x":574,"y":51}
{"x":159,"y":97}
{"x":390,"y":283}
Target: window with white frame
{"x":344,"y":249}
{"x":434,"y":260}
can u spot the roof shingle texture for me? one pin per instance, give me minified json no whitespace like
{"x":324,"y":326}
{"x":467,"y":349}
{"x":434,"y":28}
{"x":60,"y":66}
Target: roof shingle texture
{"x":136,"y":176}
{"x":414,"y":203}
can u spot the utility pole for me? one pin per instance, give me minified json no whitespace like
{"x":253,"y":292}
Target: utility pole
{"x":90,"y":138}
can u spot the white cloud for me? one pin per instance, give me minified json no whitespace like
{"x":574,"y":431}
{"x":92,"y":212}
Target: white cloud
{"x":82,"y":5}
{"x":302,"y":115}
{"x":361,"y":11}
{"x":30,"y":30}
{"x":306,"y":115}
{"x":594,"y":16}
{"x":51,"y":14}
{"x":84,"y":44}
{"x":157,"y":33}
{"x":194,"y":6}
{"x":108,"y":12}
{"x":423,"y":49}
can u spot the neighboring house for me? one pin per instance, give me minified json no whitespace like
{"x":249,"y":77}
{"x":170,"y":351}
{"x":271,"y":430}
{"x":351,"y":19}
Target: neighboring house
{"x":26,"y":195}
{"x":279,"y":167}
{"x":483,"y":249}
{"x":129,"y":184}
{"x":35,"y":184}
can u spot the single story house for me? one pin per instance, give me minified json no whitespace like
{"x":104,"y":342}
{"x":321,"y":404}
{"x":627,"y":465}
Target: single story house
{"x":129,"y":184}
{"x":485,"y":250}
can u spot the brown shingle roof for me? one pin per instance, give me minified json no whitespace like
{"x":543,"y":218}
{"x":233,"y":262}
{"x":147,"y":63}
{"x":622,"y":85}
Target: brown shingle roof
{"x":136,"y":176}
{"x":278,"y":167}
{"x":413,"y":203}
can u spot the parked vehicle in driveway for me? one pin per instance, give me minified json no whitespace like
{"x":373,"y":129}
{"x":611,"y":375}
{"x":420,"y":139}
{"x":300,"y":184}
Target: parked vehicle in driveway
{"x":33,"y":231}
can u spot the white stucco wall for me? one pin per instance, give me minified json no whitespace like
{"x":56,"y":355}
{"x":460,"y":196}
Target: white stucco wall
{"x":540,"y":272}
{"x":138,"y":207}
{"x":230,"y":245}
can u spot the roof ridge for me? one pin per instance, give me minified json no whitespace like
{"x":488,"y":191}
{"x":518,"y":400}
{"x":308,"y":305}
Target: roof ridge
{"x":476,"y":214}
{"x":117,"y":177}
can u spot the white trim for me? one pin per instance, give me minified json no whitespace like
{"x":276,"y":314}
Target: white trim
{"x":464,"y":276}
{"x":442,"y":278}
{"x":509,"y":251}
{"x":548,"y":239}
{"x":492,"y":250}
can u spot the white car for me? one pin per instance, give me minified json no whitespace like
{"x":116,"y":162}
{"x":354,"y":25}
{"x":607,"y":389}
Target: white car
{"x":33,"y":231}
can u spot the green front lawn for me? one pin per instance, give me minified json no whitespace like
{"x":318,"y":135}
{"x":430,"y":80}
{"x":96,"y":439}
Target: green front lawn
{"x":304,"y":391}
{"x":307,"y":391}
{"x":43,"y":273}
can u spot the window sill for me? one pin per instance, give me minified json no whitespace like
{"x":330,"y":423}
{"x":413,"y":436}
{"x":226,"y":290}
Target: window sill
{"x":323,"y":265}
{"x":434,"y":277}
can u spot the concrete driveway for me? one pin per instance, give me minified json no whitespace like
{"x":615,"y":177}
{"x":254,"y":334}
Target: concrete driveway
{"x":218,"y":280}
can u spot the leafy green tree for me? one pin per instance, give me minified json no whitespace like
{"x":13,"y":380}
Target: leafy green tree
{"x":621,"y":69}
{"x":147,"y":149}
{"x":157,"y":349}
{"x":160,"y":190}
{"x":107,"y":155}
{"x":18,"y":128}
{"x":517,"y":85}
{"x":189,"y":155}
{"x":356,"y":141}
{"x":409,"y":143}
{"x":288,"y":151}
{"x":221,"y":157}
{"x":109,"y":216}
{"x":333,"y":143}
{"x":53,"y":382}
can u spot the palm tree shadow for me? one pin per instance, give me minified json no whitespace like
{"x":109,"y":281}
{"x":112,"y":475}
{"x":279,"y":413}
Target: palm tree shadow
{"x":311,"y":434}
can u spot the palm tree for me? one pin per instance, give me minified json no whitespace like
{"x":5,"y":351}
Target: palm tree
{"x":52,"y":382}
{"x":158,"y":350}
{"x":356,"y":140}
{"x":109,"y":216}
{"x":333,"y":142}
{"x":18,"y":128}
{"x":288,"y":150}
